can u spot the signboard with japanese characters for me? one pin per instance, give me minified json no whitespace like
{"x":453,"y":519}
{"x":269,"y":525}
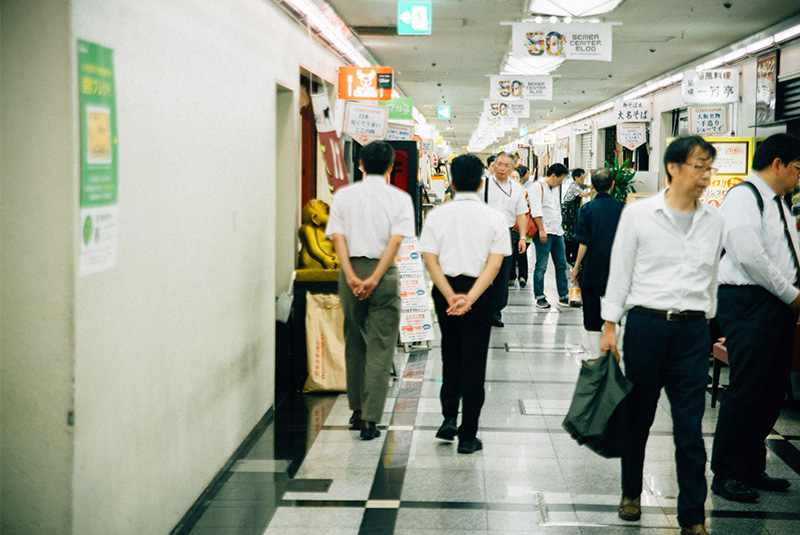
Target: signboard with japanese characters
{"x":567,"y":41}
{"x":708,"y":120}
{"x":503,"y":108}
{"x":636,"y":110}
{"x":717,"y":86}
{"x":369,"y":83}
{"x":733,"y":155}
{"x":416,"y":321}
{"x":399,"y":132}
{"x":631,"y":135}
{"x":366,"y":123}
{"x":399,"y":108}
{"x":517,"y":87}
{"x":718,"y":186}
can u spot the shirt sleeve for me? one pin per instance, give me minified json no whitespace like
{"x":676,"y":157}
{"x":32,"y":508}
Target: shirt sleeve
{"x":572,"y":192}
{"x":335,"y":219}
{"x":403,"y":222}
{"x":537,"y":192}
{"x":521,"y":207}
{"x":583,"y":232}
{"x":620,"y":271}
{"x":742,"y":238}
{"x":501,"y":241}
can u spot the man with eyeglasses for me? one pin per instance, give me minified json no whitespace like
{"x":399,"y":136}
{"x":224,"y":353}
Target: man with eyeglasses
{"x":663,"y":275}
{"x":758,"y":306}
{"x":506,"y":196}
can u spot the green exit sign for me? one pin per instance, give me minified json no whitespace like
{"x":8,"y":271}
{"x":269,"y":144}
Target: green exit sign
{"x":413,"y":18}
{"x":444,"y":112}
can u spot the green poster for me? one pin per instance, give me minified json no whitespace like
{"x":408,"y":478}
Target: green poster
{"x":98,"y":114}
{"x":399,"y":108}
{"x":98,"y":124}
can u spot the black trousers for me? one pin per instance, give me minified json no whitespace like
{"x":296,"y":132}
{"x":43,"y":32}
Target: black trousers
{"x":590,"y":296}
{"x":465,"y":344}
{"x":571,"y":251}
{"x":674,"y":356}
{"x":759,"y":335}
{"x":500,"y":282}
{"x":520,"y":260}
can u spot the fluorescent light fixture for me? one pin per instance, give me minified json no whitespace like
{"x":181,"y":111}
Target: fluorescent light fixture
{"x":572,"y":8}
{"x":733,"y":56}
{"x":760,"y":45}
{"x":328,"y":29}
{"x":716,"y":62}
{"x":787,"y":34}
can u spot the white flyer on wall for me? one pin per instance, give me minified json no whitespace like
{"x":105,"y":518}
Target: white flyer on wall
{"x":99,"y":239}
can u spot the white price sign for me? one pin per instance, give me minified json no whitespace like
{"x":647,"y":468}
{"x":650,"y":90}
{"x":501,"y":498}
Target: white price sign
{"x":631,"y":135}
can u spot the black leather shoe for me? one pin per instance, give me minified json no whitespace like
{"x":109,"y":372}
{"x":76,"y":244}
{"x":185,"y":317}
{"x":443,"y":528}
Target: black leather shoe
{"x":369,"y":430}
{"x":470,"y":446}
{"x":733,"y":489}
{"x":498,"y":323}
{"x":764,"y":482}
{"x":356,"y":421}
{"x":448,"y":430}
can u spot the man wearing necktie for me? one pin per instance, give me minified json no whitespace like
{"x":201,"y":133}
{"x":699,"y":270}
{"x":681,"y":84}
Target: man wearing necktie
{"x":758,"y":306}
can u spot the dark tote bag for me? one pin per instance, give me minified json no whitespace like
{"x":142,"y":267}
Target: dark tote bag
{"x":597,"y":417}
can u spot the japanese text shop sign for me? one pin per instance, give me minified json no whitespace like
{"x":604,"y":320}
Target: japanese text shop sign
{"x":400,"y":108}
{"x":567,"y":41}
{"x":366,"y":123}
{"x":631,"y":135}
{"x":516,"y":87}
{"x":416,"y":321}
{"x":99,"y":183}
{"x":330,"y":146}
{"x":708,"y":120}
{"x":370,"y":83}
{"x":734,"y":155}
{"x":399,"y":132}
{"x":501,"y":108}
{"x":636,"y":110}
{"x":718,"y":86}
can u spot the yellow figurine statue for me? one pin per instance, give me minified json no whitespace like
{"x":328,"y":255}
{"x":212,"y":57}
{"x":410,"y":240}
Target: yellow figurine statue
{"x":316,"y":253}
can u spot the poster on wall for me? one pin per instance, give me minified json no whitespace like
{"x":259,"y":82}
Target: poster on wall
{"x":329,"y":143}
{"x":631,"y":135}
{"x":766,"y":83}
{"x":99,"y":173}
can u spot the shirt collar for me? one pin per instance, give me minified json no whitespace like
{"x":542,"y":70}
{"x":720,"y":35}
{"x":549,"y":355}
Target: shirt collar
{"x":762,"y":186}
{"x":375,"y":178}
{"x":661,"y":204}
{"x":466,"y":196}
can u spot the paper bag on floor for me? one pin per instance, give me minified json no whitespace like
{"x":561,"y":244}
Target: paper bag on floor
{"x":325,"y":344}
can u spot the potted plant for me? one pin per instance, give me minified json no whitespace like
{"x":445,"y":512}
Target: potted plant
{"x":623,"y":180}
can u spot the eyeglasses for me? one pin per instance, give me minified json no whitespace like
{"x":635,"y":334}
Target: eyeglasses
{"x":795,"y":165}
{"x":702,"y":169}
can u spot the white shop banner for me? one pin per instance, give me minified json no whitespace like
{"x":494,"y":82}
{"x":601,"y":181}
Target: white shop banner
{"x":708,"y":120}
{"x":366,"y":123}
{"x":504,"y":108}
{"x":631,"y":135}
{"x":636,"y":110}
{"x":518,"y":87}
{"x":399,"y":132}
{"x":717,"y":86}
{"x":567,"y":41}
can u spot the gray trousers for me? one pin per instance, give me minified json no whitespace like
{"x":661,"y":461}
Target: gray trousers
{"x":371,"y":328}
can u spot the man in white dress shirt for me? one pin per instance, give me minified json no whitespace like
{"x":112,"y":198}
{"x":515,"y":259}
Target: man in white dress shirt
{"x":663,"y":274}
{"x":367,"y":224}
{"x":758,"y":303}
{"x":464,"y":243}
{"x":506,"y":196}
{"x":546,"y":211}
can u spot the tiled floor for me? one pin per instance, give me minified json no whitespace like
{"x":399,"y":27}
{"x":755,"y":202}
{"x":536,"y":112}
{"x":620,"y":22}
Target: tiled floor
{"x":531,"y":477}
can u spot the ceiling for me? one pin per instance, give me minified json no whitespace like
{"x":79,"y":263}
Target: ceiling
{"x":468,"y":42}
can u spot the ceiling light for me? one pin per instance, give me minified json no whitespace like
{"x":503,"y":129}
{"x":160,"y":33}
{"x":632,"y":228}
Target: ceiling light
{"x":553,"y":19}
{"x":573,"y":8}
{"x":785,"y":35}
{"x":538,"y":20}
{"x":568,"y":20}
{"x":733,"y":56}
{"x":760,"y":45}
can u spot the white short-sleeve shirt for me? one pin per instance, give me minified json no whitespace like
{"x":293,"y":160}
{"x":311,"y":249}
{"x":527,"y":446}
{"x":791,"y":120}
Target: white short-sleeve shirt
{"x":508,"y":198}
{"x":544,"y":204}
{"x":368,"y":213}
{"x":463,"y":234}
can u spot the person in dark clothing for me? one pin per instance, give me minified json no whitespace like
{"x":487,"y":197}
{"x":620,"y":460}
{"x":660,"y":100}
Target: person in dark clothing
{"x":569,"y":213}
{"x":594,"y":232}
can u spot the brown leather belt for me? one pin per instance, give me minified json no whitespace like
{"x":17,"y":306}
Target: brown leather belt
{"x":683,"y":315}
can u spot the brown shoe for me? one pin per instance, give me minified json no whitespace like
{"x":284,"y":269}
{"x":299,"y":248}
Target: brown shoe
{"x":697,"y":529}
{"x":630,"y":509}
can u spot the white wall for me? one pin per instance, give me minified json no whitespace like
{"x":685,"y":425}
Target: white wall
{"x":170,"y":353}
{"x":37,"y":210}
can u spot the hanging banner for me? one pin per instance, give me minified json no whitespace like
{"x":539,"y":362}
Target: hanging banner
{"x":766,"y":84}
{"x":567,"y":41}
{"x":99,"y":171}
{"x":708,"y":120}
{"x":399,"y":108}
{"x":631,"y":135}
{"x":518,"y":87}
{"x":365,"y":123}
{"x":399,"y":132}
{"x":329,"y":142}
{"x":502,"y":108}
{"x":369,"y":83}
{"x":718,"y":86}
{"x":635,"y":110}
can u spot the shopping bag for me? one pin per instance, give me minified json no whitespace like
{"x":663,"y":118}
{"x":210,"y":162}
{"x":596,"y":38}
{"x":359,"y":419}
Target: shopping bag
{"x":325,"y":344}
{"x":575,"y":298}
{"x":598,"y":417}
